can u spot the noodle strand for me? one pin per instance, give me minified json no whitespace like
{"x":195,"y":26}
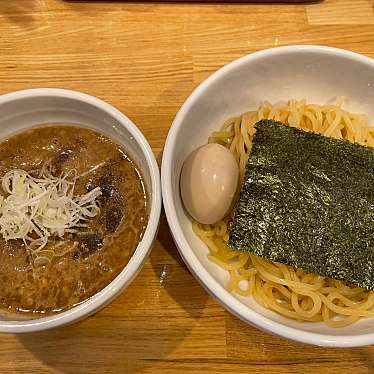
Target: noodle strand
{"x":290,"y":292}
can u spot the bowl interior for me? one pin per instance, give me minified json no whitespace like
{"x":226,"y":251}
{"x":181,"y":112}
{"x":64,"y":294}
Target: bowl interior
{"x":27,"y":111}
{"x":318,"y":75}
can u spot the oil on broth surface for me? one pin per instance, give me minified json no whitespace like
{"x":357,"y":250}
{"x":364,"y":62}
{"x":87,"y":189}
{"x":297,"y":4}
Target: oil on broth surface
{"x":101,"y":250}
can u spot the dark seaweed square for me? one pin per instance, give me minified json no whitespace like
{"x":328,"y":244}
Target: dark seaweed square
{"x":308,"y":201}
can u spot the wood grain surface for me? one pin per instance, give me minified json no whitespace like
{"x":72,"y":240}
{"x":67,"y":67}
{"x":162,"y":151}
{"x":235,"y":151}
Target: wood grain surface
{"x":145,"y":59}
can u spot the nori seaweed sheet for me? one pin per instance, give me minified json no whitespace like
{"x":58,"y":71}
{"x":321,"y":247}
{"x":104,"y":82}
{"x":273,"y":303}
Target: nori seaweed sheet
{"x":308,"y":201}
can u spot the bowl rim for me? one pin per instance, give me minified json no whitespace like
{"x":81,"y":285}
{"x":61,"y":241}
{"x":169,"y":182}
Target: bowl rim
{"x":225,"y":298}
{"x":136,"y":262}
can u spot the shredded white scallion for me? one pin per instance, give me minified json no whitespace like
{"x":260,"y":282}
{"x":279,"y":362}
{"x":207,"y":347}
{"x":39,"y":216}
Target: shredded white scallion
{"x":38,"y":208}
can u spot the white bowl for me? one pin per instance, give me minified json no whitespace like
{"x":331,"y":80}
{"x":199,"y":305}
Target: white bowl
{"x":316,"y":73}
{"x":29,"y":108}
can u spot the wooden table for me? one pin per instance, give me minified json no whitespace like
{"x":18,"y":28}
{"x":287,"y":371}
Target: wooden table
{"x":145,"y":59}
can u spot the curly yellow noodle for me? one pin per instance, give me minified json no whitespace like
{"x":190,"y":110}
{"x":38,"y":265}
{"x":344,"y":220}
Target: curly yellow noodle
{"x":290,"y":292}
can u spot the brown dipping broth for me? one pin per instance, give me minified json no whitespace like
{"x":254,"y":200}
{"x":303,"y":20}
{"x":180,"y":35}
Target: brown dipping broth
{"x":102,"y":249}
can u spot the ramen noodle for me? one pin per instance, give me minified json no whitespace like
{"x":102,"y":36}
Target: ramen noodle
{"x":288,"y":291}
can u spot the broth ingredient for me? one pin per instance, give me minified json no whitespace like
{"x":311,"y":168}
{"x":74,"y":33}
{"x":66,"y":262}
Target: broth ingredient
{"x":39,"y":207}
{"x":83,"y":257}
